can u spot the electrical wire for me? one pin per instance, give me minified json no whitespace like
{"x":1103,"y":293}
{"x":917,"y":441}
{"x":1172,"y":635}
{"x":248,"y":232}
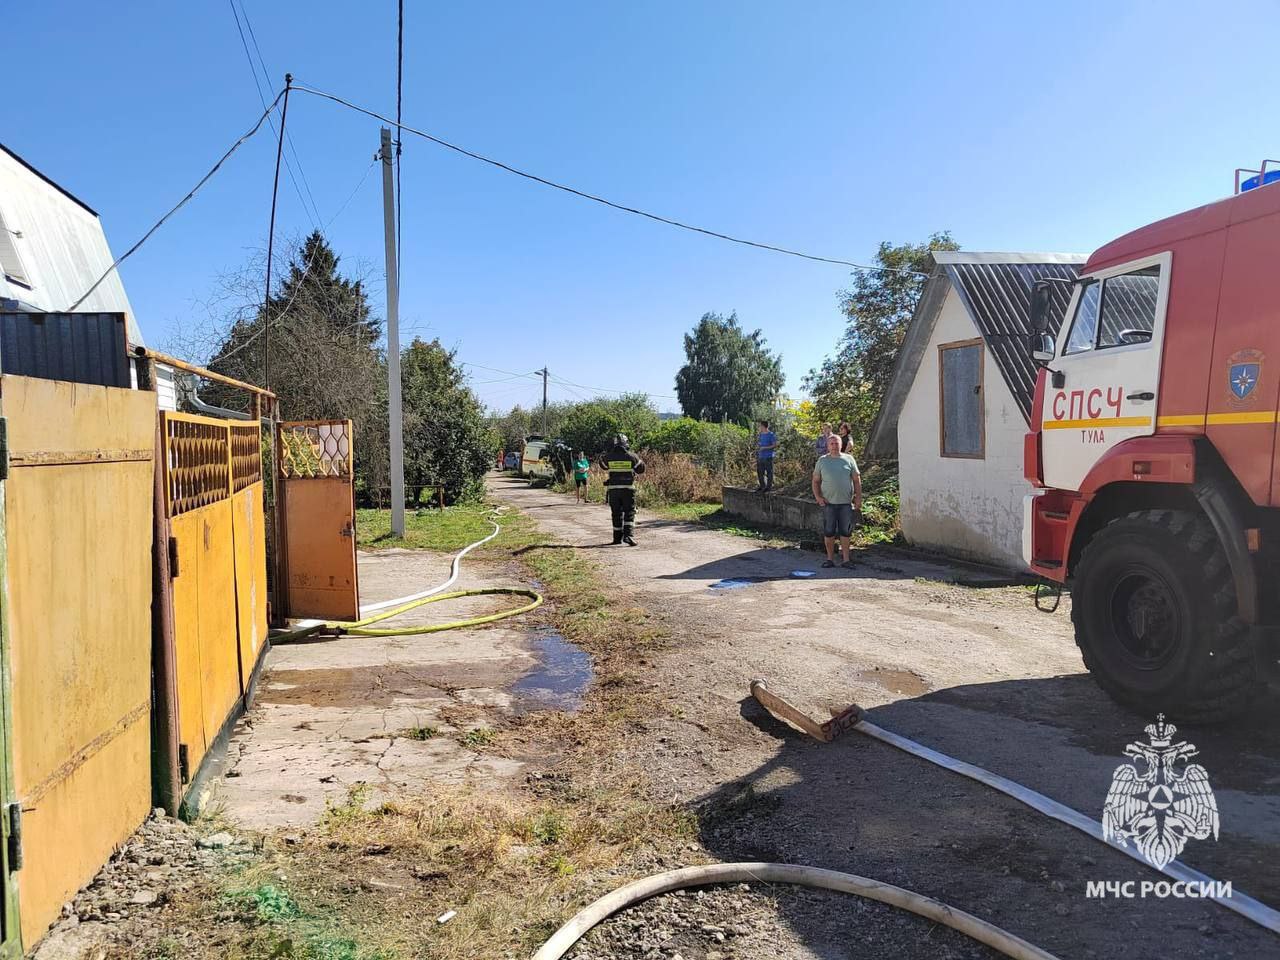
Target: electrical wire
{"x":601,"y":200}
{"x":313,"y":211}
{"x":179,"y":205}
{"x":569,"y":383}
{"x":512,"y":373}
{"x":399,"y":137}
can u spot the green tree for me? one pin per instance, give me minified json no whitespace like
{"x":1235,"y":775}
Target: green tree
{"x":728,"y":373}
{"x":512,"y":427}
{"x":591,"y":426}
{"x":325,"y":356}
{"x":851,"y":383}
{"x":447,"y":441}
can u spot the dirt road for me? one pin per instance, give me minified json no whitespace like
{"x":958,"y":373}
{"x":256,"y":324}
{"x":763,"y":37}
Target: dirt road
{"x":975,"y":673}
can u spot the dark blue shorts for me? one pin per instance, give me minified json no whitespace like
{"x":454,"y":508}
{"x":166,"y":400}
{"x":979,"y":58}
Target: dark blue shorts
{"x":837,"y":520}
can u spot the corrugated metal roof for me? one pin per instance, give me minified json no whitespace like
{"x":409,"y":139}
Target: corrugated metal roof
{"x":61,"y":244}
{"x":998,"y":297}
{"x":77,"y":347}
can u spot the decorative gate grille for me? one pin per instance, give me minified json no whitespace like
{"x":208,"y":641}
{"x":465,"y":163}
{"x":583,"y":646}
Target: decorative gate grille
{"x":213,"y":489}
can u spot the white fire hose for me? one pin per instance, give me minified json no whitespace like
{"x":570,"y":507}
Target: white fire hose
{"x":564,"y":938}
{"x":982,"y":931}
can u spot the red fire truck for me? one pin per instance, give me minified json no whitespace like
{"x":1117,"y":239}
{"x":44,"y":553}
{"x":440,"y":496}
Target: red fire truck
{"x":1153,"y":451}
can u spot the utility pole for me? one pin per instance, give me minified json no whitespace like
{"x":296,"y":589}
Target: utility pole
{"x":543,"y":371}
{"x":271,"y":236}
{"x":386,"y":155}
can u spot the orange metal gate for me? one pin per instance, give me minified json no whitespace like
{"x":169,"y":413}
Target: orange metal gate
{"x":217,"y":550}
{"x":316,"y":478}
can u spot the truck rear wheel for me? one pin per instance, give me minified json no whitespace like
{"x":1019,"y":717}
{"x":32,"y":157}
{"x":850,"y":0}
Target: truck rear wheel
{"x":1154,"y":609}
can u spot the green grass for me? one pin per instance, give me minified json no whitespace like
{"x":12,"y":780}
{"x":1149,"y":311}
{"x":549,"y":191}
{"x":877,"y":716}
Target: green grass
{"x":292,"y":932}
{"x":429,"y":529}
{"x":480,"y":737}
{"x":694,"y":512}
{"x":420,"y":733}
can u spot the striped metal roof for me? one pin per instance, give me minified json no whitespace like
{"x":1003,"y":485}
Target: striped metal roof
{"x":998,"y":297}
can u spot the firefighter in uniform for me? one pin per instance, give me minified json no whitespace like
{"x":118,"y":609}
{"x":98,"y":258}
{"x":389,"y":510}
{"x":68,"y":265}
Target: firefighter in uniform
{"x":620,"y":488}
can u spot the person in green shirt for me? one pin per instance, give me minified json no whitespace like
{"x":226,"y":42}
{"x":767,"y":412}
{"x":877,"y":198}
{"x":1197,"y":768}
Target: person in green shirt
{"x":581,"y":472}
{"x":837,"y":486}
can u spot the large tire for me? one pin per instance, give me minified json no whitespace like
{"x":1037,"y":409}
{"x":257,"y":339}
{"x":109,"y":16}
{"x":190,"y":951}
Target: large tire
{"x":1154,"y":609}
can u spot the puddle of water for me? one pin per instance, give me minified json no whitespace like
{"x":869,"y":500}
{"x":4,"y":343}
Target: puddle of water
{"x":903,"y":682}
{"x":559,"y":680}
{"x":804,"y":573}
{"x":736,"y":583}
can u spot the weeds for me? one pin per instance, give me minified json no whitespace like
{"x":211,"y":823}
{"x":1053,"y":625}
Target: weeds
{"x":265,"y":903}
{"x":479,"y":737}
{"x":420,"y":733}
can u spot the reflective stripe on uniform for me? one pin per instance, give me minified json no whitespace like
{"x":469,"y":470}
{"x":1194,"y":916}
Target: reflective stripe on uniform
{"x":621,"y":466}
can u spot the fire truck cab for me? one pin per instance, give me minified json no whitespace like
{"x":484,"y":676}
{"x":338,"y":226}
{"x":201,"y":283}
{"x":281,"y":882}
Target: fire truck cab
{"x":1153,"y":453}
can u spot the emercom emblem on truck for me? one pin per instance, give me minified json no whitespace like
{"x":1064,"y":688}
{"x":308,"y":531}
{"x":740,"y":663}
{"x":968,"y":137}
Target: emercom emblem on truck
{"x":1244,"y":370}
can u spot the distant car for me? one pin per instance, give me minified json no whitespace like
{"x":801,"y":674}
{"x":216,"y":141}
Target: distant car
{"x":511,"y":461}
{"x":536,"y":463}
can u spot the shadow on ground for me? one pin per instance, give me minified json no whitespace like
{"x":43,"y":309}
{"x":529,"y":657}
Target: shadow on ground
{"x":864,"y":807}
{"x":768,"y":563}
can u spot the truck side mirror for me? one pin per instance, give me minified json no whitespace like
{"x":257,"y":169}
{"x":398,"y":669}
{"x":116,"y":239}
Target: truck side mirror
{"x":1042,"y":348}
{"x":1041,"y":294}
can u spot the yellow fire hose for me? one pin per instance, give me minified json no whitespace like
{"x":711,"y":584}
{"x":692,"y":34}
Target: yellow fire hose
{"x":361,"y":628}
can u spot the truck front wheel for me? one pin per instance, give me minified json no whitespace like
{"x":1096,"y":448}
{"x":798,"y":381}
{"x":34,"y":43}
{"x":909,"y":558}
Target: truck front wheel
{"x":1154,"y":609}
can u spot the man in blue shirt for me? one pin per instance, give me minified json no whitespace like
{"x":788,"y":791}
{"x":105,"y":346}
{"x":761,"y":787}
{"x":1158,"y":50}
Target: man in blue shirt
{"x":766,"y":444}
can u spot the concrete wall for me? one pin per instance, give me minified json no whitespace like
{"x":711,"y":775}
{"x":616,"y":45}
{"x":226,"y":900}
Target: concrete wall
{"x":966,"y":507}
{"x":772,"y":510}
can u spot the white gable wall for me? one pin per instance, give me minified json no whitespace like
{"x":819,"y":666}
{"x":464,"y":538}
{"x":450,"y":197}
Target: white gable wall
{"x":62,"y":246}
{"x":966,"y":507}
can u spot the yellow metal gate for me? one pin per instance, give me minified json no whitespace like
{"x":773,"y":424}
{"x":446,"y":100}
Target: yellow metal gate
{"x":217,"y":550}
{"x":77,"y":533}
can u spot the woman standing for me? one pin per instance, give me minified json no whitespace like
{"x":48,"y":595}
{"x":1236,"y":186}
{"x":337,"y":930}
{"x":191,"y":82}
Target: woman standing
{"x":581,"y":471}
{"x":846,"y":440}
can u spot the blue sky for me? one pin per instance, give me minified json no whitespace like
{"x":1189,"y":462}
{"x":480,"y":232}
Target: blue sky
{"x":825,"y":127}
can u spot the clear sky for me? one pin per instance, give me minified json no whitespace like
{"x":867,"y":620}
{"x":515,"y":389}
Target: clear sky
{"x":823,"y":126}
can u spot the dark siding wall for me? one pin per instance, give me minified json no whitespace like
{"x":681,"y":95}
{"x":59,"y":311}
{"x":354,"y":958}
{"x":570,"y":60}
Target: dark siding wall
{"x":77,"y":347}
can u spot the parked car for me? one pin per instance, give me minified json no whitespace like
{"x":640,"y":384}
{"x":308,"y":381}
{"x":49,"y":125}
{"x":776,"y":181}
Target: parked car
{"x":511,"y":461}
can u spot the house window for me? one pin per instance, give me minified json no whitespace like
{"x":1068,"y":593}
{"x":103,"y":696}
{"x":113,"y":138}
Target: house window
{"x":10,"y":259}
{"x":962,"y":431}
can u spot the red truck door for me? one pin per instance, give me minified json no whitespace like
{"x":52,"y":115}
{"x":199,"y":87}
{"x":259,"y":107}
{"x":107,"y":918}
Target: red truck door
{"x":1109,"y":365}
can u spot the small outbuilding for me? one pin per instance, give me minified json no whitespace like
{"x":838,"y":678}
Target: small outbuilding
{"x":959,"y":402}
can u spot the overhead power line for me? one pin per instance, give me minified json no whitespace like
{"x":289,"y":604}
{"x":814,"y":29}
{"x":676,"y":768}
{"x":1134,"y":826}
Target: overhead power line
{"x":481,"y":366}
{"x":180,"y":204}
{"x":399,"y":101}
{"x":312,"y":211}
{"x":596,"y":199}
{"x":582,"y":386}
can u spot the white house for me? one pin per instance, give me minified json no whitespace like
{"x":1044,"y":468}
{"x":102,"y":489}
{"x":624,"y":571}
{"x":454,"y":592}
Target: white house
{"x":53,"y":249}
{"x":959,"y":402}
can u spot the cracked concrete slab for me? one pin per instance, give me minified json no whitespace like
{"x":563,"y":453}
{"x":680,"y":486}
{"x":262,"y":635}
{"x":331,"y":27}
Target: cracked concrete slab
{"x":336,"y":713}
